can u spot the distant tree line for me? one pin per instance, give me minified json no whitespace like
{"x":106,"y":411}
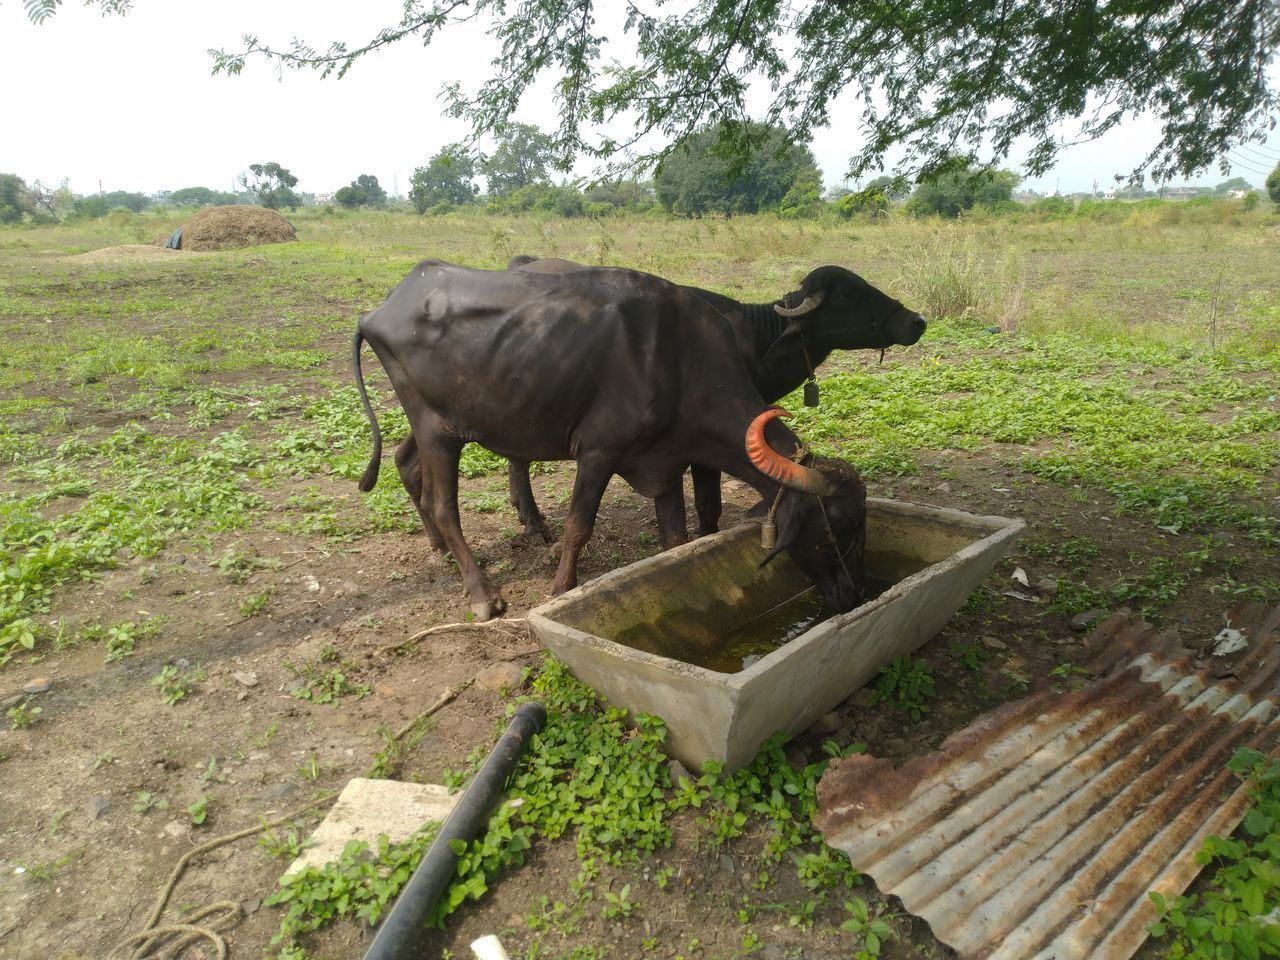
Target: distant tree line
{"x":707,"y":176}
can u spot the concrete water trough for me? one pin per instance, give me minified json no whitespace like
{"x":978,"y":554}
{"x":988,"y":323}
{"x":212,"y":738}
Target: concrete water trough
{"x":728,"y":655}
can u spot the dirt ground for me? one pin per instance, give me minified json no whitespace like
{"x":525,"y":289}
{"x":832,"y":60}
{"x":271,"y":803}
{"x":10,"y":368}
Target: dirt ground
{"x":105,"y":735}
{"x":83,"y":856}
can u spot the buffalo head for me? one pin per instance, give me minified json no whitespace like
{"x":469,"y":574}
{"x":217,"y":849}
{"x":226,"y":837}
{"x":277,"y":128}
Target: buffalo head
{"x":821,"y":517}
{"x":835,"y":309}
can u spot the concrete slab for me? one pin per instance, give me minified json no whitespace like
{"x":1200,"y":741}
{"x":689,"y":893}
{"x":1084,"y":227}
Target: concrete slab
{"x":366,"y":809}
{"x":932,"y":557}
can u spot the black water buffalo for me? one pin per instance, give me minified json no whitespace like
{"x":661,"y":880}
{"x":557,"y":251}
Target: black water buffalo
{"x":782,"y":342}
{"x":619,"y":371}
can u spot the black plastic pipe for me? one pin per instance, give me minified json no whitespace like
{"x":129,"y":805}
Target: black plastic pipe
{"x":401,"y":931}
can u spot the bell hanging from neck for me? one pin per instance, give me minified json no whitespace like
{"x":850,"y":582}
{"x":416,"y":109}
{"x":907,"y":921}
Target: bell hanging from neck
{"x":811,"y":393}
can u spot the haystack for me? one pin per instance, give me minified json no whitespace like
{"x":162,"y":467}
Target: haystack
{"x":223,"y":228}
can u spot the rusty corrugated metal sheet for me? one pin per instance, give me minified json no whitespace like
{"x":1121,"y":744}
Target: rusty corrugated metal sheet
{"x":1038,"y":830}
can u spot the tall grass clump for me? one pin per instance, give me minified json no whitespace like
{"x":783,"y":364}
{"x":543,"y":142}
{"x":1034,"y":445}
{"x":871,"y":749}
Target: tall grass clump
{"x":950,"y":277}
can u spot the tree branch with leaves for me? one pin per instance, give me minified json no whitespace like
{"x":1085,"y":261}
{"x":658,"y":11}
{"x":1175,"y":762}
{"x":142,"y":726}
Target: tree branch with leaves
{"x":940,"y":86}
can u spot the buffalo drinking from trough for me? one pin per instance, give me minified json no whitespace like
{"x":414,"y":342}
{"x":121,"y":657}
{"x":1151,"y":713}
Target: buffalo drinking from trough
{"x":617,"y":370}
{"x":782,"y":343}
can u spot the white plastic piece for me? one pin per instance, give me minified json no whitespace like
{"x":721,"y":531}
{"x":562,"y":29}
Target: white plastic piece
{"x":1228,"y":641}
{"x":489,"y":947}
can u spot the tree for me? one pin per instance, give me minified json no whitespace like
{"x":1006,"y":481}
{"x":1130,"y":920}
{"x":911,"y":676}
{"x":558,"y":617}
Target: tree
{"x":946,"y":82}
{"x":364,"y":191}
{"x":16,"y":201}
{"x":56,"y":202}
{"x":1235,"y":183}
{"x":447,"y":178}
{"x":703,"y":176}
{"x":137,"y":202}
{"x":523,"y":157}
{"x":873,"y":199}
{"x":272,"y":185}
{"x":953,"y":193}
{"x":201,"y":197}
{"x":1272,"y":184}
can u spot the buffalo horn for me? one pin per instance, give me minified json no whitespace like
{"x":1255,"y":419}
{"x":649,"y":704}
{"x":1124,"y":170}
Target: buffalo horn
{"x":777,"y":467}
{"x":811,"y":302}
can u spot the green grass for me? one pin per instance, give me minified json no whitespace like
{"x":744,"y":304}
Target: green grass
{"x":1127,"y":360}
{"x":225,"y":374}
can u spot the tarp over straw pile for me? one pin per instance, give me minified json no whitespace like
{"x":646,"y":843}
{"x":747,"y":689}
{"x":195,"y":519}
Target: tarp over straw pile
{"x":223,"y":228}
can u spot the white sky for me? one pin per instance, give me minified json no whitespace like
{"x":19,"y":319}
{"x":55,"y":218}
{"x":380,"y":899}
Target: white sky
{"x":130,"y":101}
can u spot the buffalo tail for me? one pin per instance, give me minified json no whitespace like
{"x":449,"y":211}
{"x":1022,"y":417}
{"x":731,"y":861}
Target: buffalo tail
{"x":370,"y":475}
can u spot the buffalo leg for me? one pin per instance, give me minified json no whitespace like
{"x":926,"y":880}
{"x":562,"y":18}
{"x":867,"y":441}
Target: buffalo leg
{"x":522,"y":500}
{"x":588,"y":489}
{"x":410,"y":467}
{"x":706,"y":498}
{"x":439,"y":452}
{"x":669,"y":508}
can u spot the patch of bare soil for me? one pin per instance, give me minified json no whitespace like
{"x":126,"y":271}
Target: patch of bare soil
{"x":94,"y":796}
{"x":128,"y":251}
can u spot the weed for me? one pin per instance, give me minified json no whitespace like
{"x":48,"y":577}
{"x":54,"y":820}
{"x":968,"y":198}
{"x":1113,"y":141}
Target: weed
{"x":122,"y":638}
{"x":1231,"y":915}
{"x":907,"y":685}
{"x":617,"y":905}
{"x":309,"y":769}
{"x":870,"y":928}
{"x":176,"y":685}
{"x":971,"y":655}
{"x":43,"y":872}
{"x":211,"y":773}
{"x":239,"y":565}
{"x":23,"y":715}
{"x":266,"y":737}
{"x":324,"y":686}
{"x":287,"y":847}
{"x":1067,"y":676}
{"x":255,"y":603}
{"x":199,"y":810}
{"x":144,"y":802}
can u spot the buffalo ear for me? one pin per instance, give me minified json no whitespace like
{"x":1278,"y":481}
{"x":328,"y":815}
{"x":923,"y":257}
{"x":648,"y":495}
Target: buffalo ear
{"x":791,"y":341}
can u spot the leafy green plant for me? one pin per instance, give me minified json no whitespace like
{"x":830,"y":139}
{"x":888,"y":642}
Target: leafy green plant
{"x":359,"y":884}
{"x":23,"y":715}
{"x":970,"y":655}
{"x":175,"y":684}
{"x":1067,"y":676}
{"x":1233,"y":916}
{"x":255,"y":603}
{"x":199,"y":810}
{"x":617,"y":905}
{"x":870,"y":928}
{"x":239,"y":565}
{"x":907,"y":685}
{"x":145,"y":801}
{"x":324,"y":686}
{"x":286,"y":847}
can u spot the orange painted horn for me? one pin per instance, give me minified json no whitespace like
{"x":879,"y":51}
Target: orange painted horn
{"x":777,"y":467}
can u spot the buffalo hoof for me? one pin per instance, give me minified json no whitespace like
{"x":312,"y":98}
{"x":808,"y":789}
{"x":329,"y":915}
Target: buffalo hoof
{"x":539,"y":529}
{"x":488,"y":609}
